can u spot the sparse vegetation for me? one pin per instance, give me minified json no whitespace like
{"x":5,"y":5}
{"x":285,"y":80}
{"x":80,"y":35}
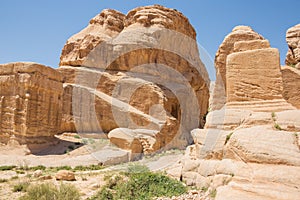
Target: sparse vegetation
{"x":20,"y":172}
{"x":61,"y":168}
{"x":77,"y":137}
{"x":204,"y":189}
{"x":7,"y":168}
{"x":49,"y":191}
{"x":14,"y":177}
{"x":228,"y":137}
{"x":139,"y":183}
{"x":277,"y":126}
{"x":21,"y":187}
{"x":292,"y":65}
{"x":3,"y":180}
{"x":273,"y":116}
{"x":213,"y":193}
{"x":88,"y":168}
{"x":39,"y":167}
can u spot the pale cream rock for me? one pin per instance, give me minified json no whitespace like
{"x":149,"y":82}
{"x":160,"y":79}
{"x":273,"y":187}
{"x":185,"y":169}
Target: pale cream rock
{"x":291,"y":85}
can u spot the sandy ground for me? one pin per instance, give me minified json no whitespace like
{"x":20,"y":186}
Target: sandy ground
{"x":71,"y":150}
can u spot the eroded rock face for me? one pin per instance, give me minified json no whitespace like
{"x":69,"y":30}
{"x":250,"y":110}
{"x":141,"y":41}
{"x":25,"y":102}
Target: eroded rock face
{"x":254,"y":75}
{"x":248,"y":74}
{"x":140,"y":70}
{"x":101,"y":28}
{"x":239,"y":33}
{"x":30,"y":101}
{"x":291,"y":85}
{"x":293,"y":40}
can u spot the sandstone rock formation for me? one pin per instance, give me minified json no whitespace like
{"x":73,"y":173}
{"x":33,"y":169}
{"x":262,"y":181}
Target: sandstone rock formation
{"x":30,"y":102}
{"x":239,"y":33}
{"x":291,"y":85}
{"x":133,"y":72}
{"x":101,"y":28}
{"x":250,"y":147}
{"x":248,"y":73}
{"x":253,"y":75}
{"x":293,"y":40}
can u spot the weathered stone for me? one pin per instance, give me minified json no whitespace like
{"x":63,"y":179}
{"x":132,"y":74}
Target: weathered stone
{"x":251,"y":45}
{"x":30,"y":101}
{"x":101,"y":28}
{"x":239,"y":33}
{"x":157,"y":75}
{"x":65,"y":175}
{"x":254,"y":75}
{"x":293,"y":41}
{"x":291,"y":85}
{"x":261,"y":145}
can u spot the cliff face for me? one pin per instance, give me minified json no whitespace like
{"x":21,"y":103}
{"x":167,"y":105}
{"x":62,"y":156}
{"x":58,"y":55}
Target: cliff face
{"x":30,"y":100}
{"x":143,"y":65}
{"x":293,"y":41}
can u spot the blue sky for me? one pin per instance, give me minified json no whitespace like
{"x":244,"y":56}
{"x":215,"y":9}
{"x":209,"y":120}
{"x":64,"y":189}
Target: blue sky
{"x":35,"y":30}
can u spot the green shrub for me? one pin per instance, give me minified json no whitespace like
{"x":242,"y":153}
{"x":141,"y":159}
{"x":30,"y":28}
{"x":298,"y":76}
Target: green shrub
{"x":273,"y":116}
{"x":77,"y":136}
{"x":20,"y":172}
{"x":88,"y":168}
{"x":213,"y":193}
{"x":63,"y":168}
{"x":47,"y":191}
{"x":6,"y":168}
{"x":140,"y":185}
{"x":277,"y":126}
{"x":228,"y":137}
{"x":39,"y":167}
{"x":21,"y":187}
{"x":3,"y":180}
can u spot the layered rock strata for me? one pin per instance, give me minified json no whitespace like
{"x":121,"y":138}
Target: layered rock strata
{"x":131,"y":71}
{"x":30,"y":101}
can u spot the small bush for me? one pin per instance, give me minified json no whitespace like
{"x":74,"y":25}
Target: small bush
{"x":3,"y":180}
{"x":20,"y":172}
{"x":63,"y":168}
{"x":273,"y":116}
{"x":277,"y":126}
{"x":14,"y":177}
{"x":213,"y":193}
{"x":77,"y":137}
{"x":6,"y":168}
{"x":71,"y":147}
{"x":204,"y":189}
{"x":228,"y":137}
{"x":21,"y":187}
{"x":88,"y":168}
{"x":39,"y":167}
{"x":49,"y":191}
